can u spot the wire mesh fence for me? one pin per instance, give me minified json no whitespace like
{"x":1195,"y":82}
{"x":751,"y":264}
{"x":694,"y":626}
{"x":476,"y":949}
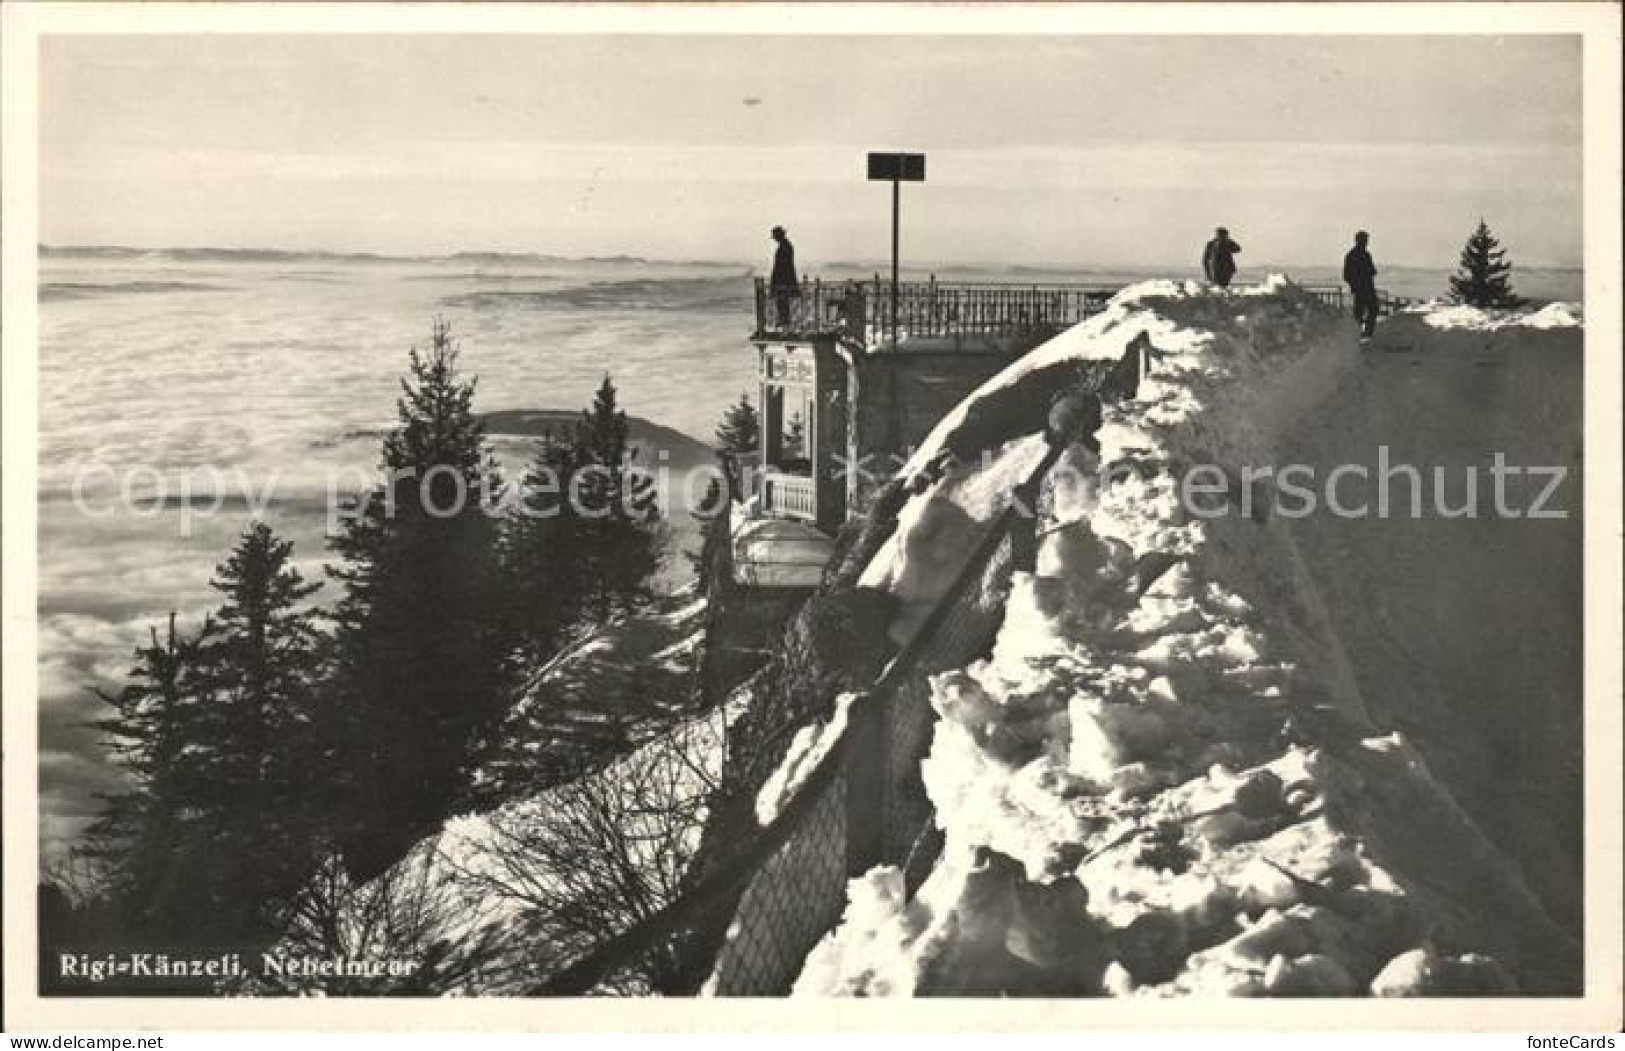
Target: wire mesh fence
{"x":962,"y":636}
{"x":883,"y":811}
{"x":789,"y":904}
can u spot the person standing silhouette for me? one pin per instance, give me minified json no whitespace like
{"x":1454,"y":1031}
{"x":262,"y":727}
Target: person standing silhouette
{"x":782,"y":285}
{"x":1361,"y":275}
{"x":1219,"y":258}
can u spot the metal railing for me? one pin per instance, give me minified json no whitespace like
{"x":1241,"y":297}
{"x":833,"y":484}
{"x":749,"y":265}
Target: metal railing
{"x":818,"y":308}
{"x":862,"y":311}
{"x":1338,"y":298}
{"x":931,"y":310}
{"x":864,"y":803}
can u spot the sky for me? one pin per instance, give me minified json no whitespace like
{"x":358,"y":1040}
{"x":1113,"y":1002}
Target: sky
{"x":1081,"y":150}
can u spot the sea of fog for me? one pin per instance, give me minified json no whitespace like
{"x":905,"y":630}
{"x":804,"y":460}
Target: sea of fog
{"x":267,"y":378}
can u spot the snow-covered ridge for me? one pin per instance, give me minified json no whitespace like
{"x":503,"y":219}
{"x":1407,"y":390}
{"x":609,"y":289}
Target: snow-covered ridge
{"x":1173,"y":790}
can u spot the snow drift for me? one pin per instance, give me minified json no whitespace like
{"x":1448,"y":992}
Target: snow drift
{"x":1177,"y":790}
{"x":1480,"y":319}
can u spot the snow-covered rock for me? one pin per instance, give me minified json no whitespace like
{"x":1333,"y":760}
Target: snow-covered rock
{"x":1423,"y":972}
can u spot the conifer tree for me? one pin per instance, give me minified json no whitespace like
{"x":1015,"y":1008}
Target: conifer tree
{"x":146,"y":833}
{"x":740,"y":431}
{"x":617,"y":510}
{"x":543,"y":551}
{"x":1484,"y":276}
{"x":259,"y":668}
{"x":604,"y":432}
{"x":260,"y":665}
{"x":423,"y":644}
{"x":584,"y":541}
{"x":216,"y":832}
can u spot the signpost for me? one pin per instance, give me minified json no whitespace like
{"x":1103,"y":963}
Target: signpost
{"x":896,"y":168}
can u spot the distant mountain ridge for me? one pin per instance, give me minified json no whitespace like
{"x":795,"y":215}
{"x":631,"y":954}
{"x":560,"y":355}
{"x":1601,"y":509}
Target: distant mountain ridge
{"x":526,"y":423}
{"x":286,"y":255}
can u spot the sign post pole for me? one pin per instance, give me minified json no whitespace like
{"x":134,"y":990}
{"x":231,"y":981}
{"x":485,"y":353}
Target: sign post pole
{"x":896,"y":222}
{"x":896,"y":168}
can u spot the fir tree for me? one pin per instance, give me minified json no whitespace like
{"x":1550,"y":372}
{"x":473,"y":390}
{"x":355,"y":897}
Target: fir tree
{"x":259,"y":667}
{"x":584,"y":541}
{"x":260,"y":664}
{"x":621,"y":547}
{"x":1484,"y":276}
{"x":216,"y":832}
{"x":543,"y":551}
{"x":423,"y":644}
{"x":604,"y":431}
{"x":740,"y":431}
{"x":146,"y":834}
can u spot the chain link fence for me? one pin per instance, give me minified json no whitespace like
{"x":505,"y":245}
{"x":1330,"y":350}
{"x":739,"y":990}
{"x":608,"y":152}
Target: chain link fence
{"x":797,"y":896}
{"x":963,"y":636}
{"x":874,"y":810}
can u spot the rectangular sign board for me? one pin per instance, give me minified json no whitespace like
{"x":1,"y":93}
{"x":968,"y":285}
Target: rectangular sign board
{"x":903,"y":167}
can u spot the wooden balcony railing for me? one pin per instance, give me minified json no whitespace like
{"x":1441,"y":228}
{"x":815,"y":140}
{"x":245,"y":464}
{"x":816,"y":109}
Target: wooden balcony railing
{"x":789,"y":496}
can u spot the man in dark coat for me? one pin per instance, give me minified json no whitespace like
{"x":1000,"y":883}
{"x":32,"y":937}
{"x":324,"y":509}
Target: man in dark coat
{"x":783,"y":285}
{"x":1361,"y":274}
{"x":1219,"y":258}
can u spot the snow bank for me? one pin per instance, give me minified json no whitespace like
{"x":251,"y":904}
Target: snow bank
{"x":1100,"y":337}
{"x":1443,"y":315}
{"x":1557,"y":315}
{"x":1160,"y":782}
{"x":807,"y":750}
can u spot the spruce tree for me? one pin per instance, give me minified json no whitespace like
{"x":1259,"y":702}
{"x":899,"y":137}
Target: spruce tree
{"x":615,"y":505}
{"x":423,"y":645}
{"x":1484,"y":276}
{"x":543,"y":551}
{"x":260,"y":663}
{"x":259,"y":668}
{"x":584,"y":541}
{"x":148,"y":834}
{"x":216,"y":832}
{"x":740,"y":431}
